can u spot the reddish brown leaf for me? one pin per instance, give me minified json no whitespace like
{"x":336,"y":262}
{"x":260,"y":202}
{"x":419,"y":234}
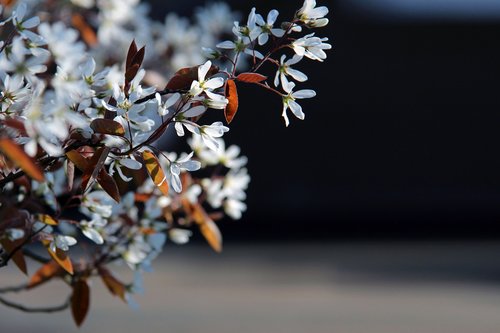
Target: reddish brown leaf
{"x":107,"y":126}
{"x":17,"y":155}
{"x":81,"y":162}
{"x":115,"y":286}
{"x":80,"y":301}
{"x":108,"y":184}
{"x":47,"y":219}
{"x":232,"y":96}
{"x":18,"y":256}
{"x":62,"y":259}
{"x":251,"y":77}
{"x":139,"y":56}
{"x":45,"y":273}
{"x":131,"y":73}
{"x":16,"y":124}
{"x":208,"y":228}
{"x":86,"y":32}
{"x":132,"y":50}
{"x":155,"y":171}
{"x":183,"y":78}
{"x":94,"y":167}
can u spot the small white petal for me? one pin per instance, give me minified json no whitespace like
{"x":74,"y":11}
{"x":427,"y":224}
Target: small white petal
{"x":131,"y":164}
{"x":93,"y":235}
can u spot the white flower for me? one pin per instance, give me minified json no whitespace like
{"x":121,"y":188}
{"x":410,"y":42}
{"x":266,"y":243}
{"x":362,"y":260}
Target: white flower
{"x":183,"y":163}
{"x":14,"y":91}
{"x":202,"y":85}
{"x":311,"y":15}
{"x":179,"y":236}
{"x":267,"y":27}
{"x":84,"y":3}
{"x":289,"y":101}
{"x":234,"y":208}
{"x":240,"y":46}
{"x":18,"y":62}
{"x":192,"y":193}
{"x":171,"y":101}
{"x":20,"y":22}
{"x":311,"y":47}
{"x":97,"y":202}
{"x":61,"y":242}
{"x":91,"y":229}
{"x":209,"y":133}
{"x":129,"y":163}
{"x":285,"y":70}
{"x":87,"y":71}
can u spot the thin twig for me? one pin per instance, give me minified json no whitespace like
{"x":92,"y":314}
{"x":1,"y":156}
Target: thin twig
{"x":14,"y":289}
{"x":48,"y":309}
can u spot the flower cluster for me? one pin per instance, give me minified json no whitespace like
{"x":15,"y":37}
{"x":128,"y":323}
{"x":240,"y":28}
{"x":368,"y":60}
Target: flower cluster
{"x":83,"y":108}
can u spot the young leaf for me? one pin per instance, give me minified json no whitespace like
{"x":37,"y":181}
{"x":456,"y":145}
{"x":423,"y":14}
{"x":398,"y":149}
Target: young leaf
{"x":45,"y":273}
{"x":107,"y":126}
{"x":47,"y":219}
{"x":130,"y":74}
{"x":62,"y":259}
{"x":115,"y":286}
{"x":139,"y":56}
{"x":21,"y":159}
{"x":208,"y":228}
{"x":18,"y":256}
{"x":155,"y":171}
{"x":132,"y":50}
{"x":81,"y":162}
{"x":251,"y":77}
{"x":232,"y":96}
{"x":80,"y":301}
{"x":94,"y":167}
{"x":108,"y":184}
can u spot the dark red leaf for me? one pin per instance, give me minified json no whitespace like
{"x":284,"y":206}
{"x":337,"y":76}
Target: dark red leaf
{"x":232,"y":105}
{"x":18,"y":256}
{"x":107,"y":126}
{"x":80,"y":301}
{"x":132,"y":50}
{"x":251,"y":77}
{"x":115,"y":286}
{"x":94,"y":167}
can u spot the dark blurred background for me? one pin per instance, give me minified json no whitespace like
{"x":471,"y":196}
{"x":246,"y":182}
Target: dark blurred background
{"x":401,"y":140}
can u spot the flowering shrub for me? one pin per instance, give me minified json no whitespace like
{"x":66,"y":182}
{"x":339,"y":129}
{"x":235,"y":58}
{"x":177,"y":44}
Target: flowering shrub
{"x":83,"y":110}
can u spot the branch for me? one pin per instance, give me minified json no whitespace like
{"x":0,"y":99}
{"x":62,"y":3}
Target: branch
{"x":14,"y":289}
{"x":48,"y":309}
{"x":5,"y":260}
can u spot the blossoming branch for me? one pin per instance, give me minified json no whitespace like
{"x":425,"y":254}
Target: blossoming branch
{"x":84,"y":108}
